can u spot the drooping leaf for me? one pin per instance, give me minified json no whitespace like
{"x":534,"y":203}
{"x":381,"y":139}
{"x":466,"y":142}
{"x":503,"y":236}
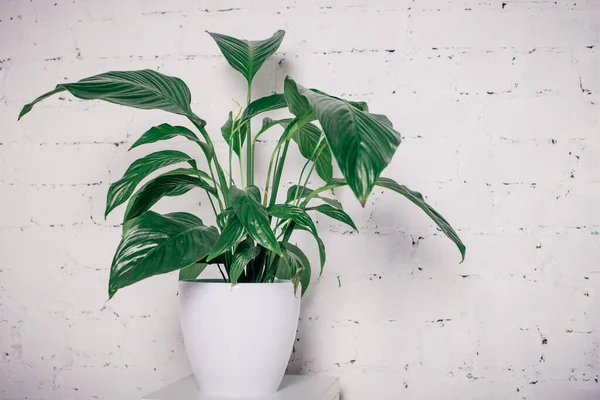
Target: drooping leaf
{"x":166,"y":131}
{"x":246,"y":56}
{"x":300,"y":217}
{"x":296,"y":261}
{"x":192,"y":272}
{"x":417,"y":199}
{"x":334,"y":213}
{"x":254,"y":216}
{"x":233,"y":137}
{"x":119,"y":191}
{"x":300,"y":192}
{"x":245,"y":253}
{"x":320,"y":244}
{"x":307,"y":137}
{"x":297,"y":103}
{"x":156,"y":244}
{"x":169,"y":184}
{"x":289,"y":211}
{"x":362,"y":145}
{"x":268,"y":123}
{"x":232,"y":234}
{"x":263,"y":104}
{"x":144,"y":89}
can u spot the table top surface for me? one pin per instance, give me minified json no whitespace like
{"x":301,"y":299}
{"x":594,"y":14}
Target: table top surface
{"x":293,"y":387}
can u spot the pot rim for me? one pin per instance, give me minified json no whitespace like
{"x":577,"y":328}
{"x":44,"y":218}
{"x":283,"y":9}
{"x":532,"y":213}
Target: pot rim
{"x":221,"y":282}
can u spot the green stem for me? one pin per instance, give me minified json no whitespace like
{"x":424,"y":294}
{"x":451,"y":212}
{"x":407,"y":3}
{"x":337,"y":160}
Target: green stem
{"x":230,"y":168}
{"x":312,"y":157}
{"x":223,"y":182}
{"x":278,"y":171}
{"x":274,"y":155}
{"x":221,"y":271}
{"x":212,"y":175}
{"x":250,"y":148}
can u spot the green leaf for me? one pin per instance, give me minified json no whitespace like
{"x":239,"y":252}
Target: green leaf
{"x":246,"y":56}
{"x":263,"y":104}
{"x":245,"y":253}
{"x":334,"y":213}
{"x":232,"y":234}
{"x":156,"y":244}
{"x":419,"y":201}
{"x":268,"y":123}
{"x":224,"y":216}
{"x":295,"y":267}
{"x":192,"y":272}
{"x":233,"y":137}
{"x":166,"y":131}
{"x":145,"y":89}
{"x":307,"y":137}
{"x":254,"y":217}
{"x":170,"y":184}
{"x":300,"y":217}
{"x":119,"y":191}
{"x":297,"y":104}
{"x":320,"y":244}
{"x":296,"y":214}
{"x":300,"y":192}
{"x":363,"y":145}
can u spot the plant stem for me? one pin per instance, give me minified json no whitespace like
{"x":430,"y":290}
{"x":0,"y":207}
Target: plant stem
{"x":221,"y":271}
{"x":274,"y":155}
{"x":278,"y":171}
{"x":250,"y":148}
{"x":224,"y":188}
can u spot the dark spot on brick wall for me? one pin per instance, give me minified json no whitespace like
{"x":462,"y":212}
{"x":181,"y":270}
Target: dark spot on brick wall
{"x":503,"y":5}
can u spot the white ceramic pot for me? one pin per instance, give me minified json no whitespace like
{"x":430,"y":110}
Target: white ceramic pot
{"x":238,"y":338}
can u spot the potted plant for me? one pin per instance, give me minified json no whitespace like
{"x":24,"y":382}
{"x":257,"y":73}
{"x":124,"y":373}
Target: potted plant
{"x":239,"y":331}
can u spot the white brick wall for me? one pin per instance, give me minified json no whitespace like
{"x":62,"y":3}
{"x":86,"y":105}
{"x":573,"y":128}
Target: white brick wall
{"x":498,"y":102}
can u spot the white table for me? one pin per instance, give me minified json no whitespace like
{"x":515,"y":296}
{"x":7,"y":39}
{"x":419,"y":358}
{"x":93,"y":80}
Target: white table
{"x":293,"y":387}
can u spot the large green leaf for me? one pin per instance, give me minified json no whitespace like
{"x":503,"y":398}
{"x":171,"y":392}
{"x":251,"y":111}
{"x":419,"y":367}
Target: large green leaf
{"x":300,"y":192}
{"x":254,"y":216}
{"x":166,"y":131}
{"x":245,"y":253}
{"x":419,"y":201}
{"x":232,"y":234}
{"x":145,"y":89}
{"x":192,"y":272}
{"x":297,"y":104}
{"x":170,"y":184}
{"x":155,"y":244}
{"x":295,"y":267}
{"x":300,"y":217}
{"x":334,"y":213}
{"x":119,"y":192}
{"x":233,"y":137}
{"x":307,"y":137}
{"x":263,"y":104}
{"x":246,"y":56}
{"x":363,"y":145}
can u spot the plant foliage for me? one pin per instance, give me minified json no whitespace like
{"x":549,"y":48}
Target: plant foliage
{"x":251,"y":242}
